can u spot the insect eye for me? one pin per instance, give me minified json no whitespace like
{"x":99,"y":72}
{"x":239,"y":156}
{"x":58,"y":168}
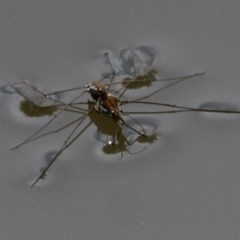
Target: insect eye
{"x":88,"y":86}
{"x":93,"y":88}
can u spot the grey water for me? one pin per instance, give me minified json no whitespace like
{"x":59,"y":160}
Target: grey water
{"x":184,"y":185}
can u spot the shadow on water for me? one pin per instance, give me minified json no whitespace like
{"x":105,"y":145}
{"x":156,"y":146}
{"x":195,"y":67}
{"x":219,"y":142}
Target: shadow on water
{"x":32,"y":110}
{"x":140,"y":81}
{"x":222,"y":106}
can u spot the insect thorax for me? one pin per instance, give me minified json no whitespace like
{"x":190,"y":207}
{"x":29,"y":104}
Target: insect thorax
{"x":105,"y":102}
{"x":110,"y":107}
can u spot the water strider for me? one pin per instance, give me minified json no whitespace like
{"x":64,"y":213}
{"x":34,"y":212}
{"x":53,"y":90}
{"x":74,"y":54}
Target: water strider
{"x":104,"y":110}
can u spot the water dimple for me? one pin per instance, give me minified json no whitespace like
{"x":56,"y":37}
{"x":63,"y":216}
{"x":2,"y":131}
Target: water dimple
{"x":47,"y":178}
{"x":143,"y":58}
{"x":33,"y":94}
{"x":7,"y":89}
{"x":48,"y":157}
{"x":28,"y":102}
{"x":223,"y":109}
{"x":132,"y":62}
{"x":222,"y":106}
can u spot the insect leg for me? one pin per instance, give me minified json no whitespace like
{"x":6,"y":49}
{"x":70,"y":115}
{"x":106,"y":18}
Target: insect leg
{"x":64,"y":147}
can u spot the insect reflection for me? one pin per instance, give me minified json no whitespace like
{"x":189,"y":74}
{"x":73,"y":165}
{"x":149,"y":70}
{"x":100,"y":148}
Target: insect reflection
{"x":116,"y":141}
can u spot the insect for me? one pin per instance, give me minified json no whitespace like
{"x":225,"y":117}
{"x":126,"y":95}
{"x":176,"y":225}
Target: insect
{"x":107,"y":103}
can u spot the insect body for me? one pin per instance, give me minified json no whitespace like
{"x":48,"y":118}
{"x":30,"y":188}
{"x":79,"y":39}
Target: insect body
{"x":105,"y":102}
{"x":108,"y":105}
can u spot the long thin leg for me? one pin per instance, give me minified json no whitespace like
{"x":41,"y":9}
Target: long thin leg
{"x":64,"y":147}
{"x":133,"y":129}
{"x":133,"y":119}
{"x":50,"y":132}
{"x":66,"y":144}
{"x":180,"y":108}
{"x":65,"y":107}
{"x":176,"y":80}
{"x":169,"y":85}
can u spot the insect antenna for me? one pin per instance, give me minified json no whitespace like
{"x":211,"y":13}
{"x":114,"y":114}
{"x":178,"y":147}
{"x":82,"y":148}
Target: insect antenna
{"x":77,"y":88}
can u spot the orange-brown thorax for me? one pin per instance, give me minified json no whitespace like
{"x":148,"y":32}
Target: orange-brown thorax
{"x":111,"y":104}
{"x":105,"y":102}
